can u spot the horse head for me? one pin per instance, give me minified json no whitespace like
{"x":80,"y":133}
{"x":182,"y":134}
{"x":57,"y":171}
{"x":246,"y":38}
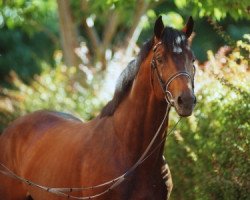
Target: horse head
{"x":173,"y":66}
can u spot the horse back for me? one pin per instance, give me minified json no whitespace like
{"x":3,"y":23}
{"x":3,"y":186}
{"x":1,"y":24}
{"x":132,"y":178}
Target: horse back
{"x":25,"y":132}
{"x":57,"y":150}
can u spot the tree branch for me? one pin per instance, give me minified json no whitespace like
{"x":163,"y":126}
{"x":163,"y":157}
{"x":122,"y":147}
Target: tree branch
{"x":110,"y":28}
{"x":91,"y":32}
{"x":140,"y":9}
{"x":68,"y":33}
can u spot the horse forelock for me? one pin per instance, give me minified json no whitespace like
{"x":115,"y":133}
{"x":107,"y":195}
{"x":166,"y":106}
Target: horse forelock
{"x":173,"y":40}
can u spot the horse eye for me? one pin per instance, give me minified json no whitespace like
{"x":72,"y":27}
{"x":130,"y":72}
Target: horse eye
{"x":160,"y":60}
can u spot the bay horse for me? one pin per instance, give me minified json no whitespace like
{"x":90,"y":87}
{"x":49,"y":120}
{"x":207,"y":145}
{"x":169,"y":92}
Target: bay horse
{"x":45,"y":155}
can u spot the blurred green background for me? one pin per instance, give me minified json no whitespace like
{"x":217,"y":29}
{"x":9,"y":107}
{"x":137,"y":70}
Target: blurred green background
{"x":63,"y":55}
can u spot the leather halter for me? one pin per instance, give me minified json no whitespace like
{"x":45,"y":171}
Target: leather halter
{"x":165,"y":85}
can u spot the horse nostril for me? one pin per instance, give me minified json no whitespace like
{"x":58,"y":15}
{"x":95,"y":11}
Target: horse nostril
{"x":185,"y":100}
{"x":179,"y":100}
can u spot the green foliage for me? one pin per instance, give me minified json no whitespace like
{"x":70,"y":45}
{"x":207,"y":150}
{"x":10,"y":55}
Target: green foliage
{"x":57,"y":89}
{"x":216,"y":9}
{"x":23,"y":53}
{"x":209,"y":154}
{"x":29,"y":15}
{"x":103,"y":7}
{"x":27,"y":37}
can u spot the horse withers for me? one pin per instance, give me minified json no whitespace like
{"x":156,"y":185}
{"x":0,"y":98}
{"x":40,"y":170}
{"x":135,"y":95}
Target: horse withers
{"x":119,"y":154}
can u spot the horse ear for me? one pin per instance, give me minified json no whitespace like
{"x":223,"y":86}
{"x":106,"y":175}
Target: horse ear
{"x":188,"y":28}
{"x":159,"y":26}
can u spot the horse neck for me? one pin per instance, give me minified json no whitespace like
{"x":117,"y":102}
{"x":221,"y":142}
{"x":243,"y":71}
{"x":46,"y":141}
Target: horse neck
{"x":140,"y":115}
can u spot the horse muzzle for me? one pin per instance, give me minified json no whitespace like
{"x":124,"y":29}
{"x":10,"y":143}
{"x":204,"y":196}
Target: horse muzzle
{"x":184,"y":104}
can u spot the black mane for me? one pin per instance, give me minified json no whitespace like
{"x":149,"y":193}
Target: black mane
{"x":128,"y":75}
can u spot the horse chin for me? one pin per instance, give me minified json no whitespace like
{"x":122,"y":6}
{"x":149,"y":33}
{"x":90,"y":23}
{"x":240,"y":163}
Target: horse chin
{"x":184,"y":112}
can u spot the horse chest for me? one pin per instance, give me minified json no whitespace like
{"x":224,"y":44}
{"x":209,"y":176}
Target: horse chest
{"x":148,"y":188}
{"x":152,"y":192}
{"x":153,"y":189}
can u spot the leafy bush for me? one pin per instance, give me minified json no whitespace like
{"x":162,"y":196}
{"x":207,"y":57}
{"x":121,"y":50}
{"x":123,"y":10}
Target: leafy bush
{"x":28,"y":37}
{"x":23,"y":53}
{"x":209,"y":153}
{"x":58,"y":89}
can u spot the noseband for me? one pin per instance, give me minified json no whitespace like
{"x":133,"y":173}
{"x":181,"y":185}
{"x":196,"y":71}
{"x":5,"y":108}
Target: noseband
{"x":165,"y":85}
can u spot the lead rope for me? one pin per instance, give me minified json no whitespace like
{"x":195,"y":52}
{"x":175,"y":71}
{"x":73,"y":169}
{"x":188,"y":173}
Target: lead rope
{"x":115,"y":182}
{"x":163,"y":139}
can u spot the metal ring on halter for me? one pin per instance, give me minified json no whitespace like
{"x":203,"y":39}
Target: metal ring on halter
{"x":169,"y":97}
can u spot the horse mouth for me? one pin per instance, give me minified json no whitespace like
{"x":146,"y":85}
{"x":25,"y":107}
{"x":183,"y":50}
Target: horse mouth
{"x":184,"y":111}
